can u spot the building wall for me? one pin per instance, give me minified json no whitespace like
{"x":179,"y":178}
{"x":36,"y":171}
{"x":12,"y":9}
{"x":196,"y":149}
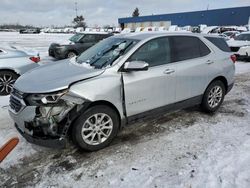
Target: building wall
{"x":134,"y":25}
{"x":221,"y":17}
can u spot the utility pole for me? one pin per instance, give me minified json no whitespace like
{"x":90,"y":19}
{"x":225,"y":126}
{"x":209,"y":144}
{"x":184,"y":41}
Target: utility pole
{"x":76,"y":8}
{"x":208,"y":7}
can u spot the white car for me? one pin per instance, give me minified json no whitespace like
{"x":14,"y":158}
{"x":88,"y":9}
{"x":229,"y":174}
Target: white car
{"x":240,"y":45}
{"x":14,"y":63}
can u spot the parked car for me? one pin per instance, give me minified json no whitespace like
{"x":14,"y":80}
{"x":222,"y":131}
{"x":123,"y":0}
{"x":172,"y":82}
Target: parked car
{"x":224,"y":36}
{"x":240,"y":45}
{"x":231,"y":34}
{"x":117,"y":81}
{"x":76,"y":44}
{"x":30,"y":31}
{"x":14,"y":63}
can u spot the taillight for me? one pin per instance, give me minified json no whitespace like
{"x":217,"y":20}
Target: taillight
{"x":233,"y":58}
{"x":35,"y":59}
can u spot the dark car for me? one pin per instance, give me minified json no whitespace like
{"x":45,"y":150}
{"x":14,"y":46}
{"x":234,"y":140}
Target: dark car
{"x":30,"y":31}
{"x":76,"y":45}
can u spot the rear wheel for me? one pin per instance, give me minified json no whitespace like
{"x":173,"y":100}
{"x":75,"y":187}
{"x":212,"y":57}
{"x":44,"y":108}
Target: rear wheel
{"x":95,"y":128}
{"x":71,"y":54}
{"x":7,"y":80}
{"x":213,"y":97}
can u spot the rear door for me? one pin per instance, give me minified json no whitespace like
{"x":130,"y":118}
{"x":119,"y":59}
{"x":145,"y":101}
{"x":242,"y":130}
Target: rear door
{"x":191,"y":58}
{"x":147,"y":90}
{"x":221,"y":63}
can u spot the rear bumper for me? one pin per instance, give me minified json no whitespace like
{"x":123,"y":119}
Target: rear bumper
{"x":59,"y":143}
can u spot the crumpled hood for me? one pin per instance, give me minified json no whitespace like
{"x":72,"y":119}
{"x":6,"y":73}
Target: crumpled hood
{"x":54,"y":77}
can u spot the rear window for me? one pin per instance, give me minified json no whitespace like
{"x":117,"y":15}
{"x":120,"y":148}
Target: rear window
{"x":219,"y":43}
{"x":186,"y":47}
{"x":243,"y":37}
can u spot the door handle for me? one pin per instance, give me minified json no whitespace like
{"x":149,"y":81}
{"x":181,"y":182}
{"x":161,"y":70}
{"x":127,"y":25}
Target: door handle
{"x":209,"y":62}
{"x":169,"y":71}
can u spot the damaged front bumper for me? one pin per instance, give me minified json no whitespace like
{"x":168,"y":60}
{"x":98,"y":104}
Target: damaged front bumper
{"x":45,"y":125}
{"x":59,"y":143}
{"x":34,"y":133}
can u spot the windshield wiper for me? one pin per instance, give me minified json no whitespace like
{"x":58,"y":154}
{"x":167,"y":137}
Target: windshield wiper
{"x":105,"y":52}
{"x":121,"y":52}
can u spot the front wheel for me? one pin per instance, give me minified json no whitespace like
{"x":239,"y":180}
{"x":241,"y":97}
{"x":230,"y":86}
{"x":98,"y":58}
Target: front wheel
{"x":213,"y":97}
{"x":7,"y":80}
{"x":95,"y":128}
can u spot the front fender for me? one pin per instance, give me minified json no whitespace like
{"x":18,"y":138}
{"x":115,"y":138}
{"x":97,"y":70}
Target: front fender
{"x":101,"y":88}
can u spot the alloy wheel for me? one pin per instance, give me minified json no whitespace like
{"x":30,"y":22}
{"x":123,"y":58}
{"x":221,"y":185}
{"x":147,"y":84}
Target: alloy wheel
{"x":97,"y":129}
{"x":71,"y":54}
{"x":6,"y":83}
{"x":215,"y":96}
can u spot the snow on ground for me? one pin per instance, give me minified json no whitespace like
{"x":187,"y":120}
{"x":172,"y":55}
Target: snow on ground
{"x":186,"y":148}
{"x":32,"y":42}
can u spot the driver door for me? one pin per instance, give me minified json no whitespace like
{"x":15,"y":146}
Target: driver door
{"x":154,"y":88}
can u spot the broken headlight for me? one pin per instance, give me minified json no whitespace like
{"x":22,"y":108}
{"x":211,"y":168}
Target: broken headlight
{"x":44,"y":99}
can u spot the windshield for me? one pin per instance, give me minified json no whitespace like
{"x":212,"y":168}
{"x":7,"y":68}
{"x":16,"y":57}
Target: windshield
{"x":243,"y":37}
{"x":106,"y":52}
{"x":76,"y":37}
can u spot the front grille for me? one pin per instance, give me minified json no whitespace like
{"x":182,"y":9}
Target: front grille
{"x":15,"y":104}
{"x":235,"y":49}
{"x":17,"y":93}
{"x":51,"y":53}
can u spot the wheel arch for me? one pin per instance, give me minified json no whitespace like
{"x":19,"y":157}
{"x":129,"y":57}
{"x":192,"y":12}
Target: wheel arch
{"x":10,"y":70}
{"x":72,"y":50}
{"x":107,"y":103}
{"x":222,"y":79}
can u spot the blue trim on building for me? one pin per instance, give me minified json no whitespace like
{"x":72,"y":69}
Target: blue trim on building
{"x":228,"y":16}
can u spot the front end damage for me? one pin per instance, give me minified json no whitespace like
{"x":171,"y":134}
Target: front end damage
{"x":44,"y":119}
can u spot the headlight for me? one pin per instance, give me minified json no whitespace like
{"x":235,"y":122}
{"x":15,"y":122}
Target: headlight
{"x":40,"y":99}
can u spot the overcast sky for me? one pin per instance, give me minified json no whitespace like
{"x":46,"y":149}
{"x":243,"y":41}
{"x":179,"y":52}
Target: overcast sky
{"x":98,"y":12}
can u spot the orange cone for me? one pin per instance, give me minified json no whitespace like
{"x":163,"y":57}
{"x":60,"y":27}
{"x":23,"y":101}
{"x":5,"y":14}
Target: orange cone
{"x":7,"y":148}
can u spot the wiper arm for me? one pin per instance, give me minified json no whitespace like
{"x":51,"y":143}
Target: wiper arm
{"x":116,"y":57}
{"x":105,"y":52}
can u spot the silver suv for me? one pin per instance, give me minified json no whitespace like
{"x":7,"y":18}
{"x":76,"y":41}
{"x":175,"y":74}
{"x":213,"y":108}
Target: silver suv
{"x":117,"y":81}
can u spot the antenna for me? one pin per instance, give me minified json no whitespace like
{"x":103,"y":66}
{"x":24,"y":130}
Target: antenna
{"x":76,"y":8}
{"x":208,"y":7}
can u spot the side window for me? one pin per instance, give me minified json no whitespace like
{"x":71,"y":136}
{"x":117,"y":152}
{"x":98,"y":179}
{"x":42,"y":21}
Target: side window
{"x":204,"y":50}
{"x":155,"y":52}
{"x":248,"y":37}
{"x":219,"y":43}
{"x":101,"y":37}
{"x":88,"y":38}
{"x":185,"y":47}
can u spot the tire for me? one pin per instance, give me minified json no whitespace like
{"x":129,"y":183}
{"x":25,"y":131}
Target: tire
{"x":71,"y":54}
{"x":247,"y":59}
{"x":211,"y":103}
{"x":86,"y":125}
{"x":7,"y":80}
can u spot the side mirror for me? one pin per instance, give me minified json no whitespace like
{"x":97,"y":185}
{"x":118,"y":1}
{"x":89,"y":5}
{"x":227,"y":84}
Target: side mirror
{"x":135,"y":66}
